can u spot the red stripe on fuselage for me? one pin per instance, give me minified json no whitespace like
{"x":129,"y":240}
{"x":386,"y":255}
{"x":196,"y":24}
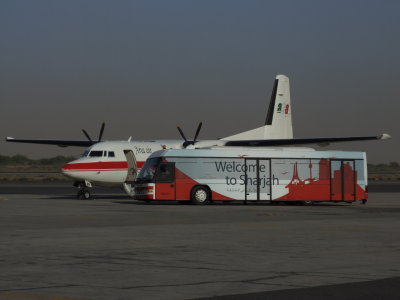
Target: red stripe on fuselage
{"x":97,"y":166}
{"x":93,"y":166}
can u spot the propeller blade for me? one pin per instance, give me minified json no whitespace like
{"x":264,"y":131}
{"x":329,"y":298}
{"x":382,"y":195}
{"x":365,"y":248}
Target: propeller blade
{"x":101,"y":130}
{"x":197,"y":132}
{"x":181,"y":132}
{"x":87,"y":135}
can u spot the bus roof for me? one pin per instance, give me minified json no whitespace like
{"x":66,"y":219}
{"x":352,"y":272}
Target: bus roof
{"x":292,"y":152}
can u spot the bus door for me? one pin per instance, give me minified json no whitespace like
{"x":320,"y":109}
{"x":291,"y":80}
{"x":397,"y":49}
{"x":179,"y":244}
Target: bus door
{"x":258,"y":179}
{"x":165,"y":181}
{"x":343,"y":180}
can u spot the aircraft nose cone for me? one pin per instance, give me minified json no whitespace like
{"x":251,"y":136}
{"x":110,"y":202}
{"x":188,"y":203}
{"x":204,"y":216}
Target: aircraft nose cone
{"x":64,"y":169}
{"x":68,"y":170}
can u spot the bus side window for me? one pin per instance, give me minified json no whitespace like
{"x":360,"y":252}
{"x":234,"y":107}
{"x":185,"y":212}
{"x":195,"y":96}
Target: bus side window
{"x":165,"y":173}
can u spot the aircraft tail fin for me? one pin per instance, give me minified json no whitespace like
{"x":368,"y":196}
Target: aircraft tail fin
{"x":278,"y":123}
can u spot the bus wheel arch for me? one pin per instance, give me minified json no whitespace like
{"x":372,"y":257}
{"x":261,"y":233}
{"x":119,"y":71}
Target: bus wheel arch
{"x":307,"y":202}
{"x":200,"y":195}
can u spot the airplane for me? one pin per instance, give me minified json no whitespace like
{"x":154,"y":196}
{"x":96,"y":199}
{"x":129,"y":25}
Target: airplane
{"x":116,"y":163}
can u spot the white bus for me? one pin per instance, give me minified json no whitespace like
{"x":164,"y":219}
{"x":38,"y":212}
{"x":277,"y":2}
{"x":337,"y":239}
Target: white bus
{"x":296,"y":175}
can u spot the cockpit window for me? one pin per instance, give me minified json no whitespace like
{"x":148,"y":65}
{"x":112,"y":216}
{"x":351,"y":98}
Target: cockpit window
{"x":96,"y":153}
{"x":85,"y":153}
{"x":111,"y":154}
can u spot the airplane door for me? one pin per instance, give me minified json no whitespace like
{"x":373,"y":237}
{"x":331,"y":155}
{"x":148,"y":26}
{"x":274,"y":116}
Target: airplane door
{"x":132,"y":166}
{"x":257,"y":174}
{"x":343,"y":180}
{"x":165,"y":181}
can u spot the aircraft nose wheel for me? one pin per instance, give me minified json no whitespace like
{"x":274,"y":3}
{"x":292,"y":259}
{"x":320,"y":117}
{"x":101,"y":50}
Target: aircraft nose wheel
{"x":83,"y":194}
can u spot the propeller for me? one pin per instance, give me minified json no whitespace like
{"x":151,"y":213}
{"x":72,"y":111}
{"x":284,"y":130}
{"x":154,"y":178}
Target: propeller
{"x":87,"y":135}
{"x":186,"y":141}
{"x":100,"y":133}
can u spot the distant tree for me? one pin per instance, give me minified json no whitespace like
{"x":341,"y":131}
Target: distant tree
{"x":55,"y":160}
{"x":20,"y":160}
{"x":4,"y":159}
{"x":23,"y":160}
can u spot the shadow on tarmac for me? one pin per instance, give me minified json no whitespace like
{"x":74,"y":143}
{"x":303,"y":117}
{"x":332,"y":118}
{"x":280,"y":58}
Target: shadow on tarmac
{"x":388,"y":288}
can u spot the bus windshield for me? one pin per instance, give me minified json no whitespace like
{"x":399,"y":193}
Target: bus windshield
{"x":148,"y":171}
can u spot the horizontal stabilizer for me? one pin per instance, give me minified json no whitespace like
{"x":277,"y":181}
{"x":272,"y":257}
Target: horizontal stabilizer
{"x":385,"y":136}
{"x":61,"y":143}
{"x":288,"y":142}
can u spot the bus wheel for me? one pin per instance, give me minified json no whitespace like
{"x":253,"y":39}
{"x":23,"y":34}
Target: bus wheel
{"x":200,"y":195}
{"x":307,"y":203}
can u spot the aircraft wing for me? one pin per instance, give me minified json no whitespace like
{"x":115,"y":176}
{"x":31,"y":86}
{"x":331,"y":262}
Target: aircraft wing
{"x":288,"y":142}
{"x":61,"y":143}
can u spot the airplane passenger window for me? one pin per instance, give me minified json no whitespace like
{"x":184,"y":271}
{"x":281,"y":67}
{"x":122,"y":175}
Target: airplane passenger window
{"x":111,"y":154}
{"x":96,"y":153}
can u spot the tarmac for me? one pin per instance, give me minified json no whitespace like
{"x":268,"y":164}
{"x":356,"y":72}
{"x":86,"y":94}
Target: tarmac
{"x":55,"y":247}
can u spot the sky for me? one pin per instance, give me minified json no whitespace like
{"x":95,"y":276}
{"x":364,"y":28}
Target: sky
{"x":145,"y":67}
